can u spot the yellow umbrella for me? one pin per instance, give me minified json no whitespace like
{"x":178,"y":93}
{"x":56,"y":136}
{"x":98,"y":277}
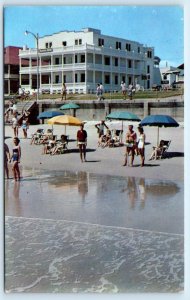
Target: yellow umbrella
{"x":65,"y":120}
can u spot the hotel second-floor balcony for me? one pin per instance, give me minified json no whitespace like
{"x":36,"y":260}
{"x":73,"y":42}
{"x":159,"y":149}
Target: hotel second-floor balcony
{"x":80,"y":67}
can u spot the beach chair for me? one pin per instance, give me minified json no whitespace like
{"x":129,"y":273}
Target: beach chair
{"x":37,"y":136}
{"x":162,"y":149}
{"x":61,"y":146}
{"x":115,"y":141}
{"x":48,"y":135}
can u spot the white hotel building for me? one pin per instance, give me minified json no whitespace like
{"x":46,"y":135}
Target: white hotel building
{"x":83,"y":59}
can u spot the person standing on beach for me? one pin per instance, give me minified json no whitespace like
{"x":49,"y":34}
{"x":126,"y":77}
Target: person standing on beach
{"x":25,"y":126}
{"x":100,"y":127}
{"x":141,"y":145}
{"x":7,"y":158}
{"x":15,"y":125}
{"x":131,"y":138}
{"x":82,"y":142}
{"x":16,"y":156}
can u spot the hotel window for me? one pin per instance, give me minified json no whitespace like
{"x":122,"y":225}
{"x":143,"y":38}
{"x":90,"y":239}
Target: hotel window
{"x":82,"y":58}
{"x":76,"y":59}
{"x":116,"y":79}
{"x":148,"y":69}
{"x":78,"y":42}
{"x":100,"y":42}
{"x":76,"y":78}
{"x":82,"y":77}
{"x":139,"y":49}
{"x":107,"y":79}
{"x":107,"y":60}
{"x":57,"y":79}
{"x":48,"y":45}
{"x":64,"y":43}
{"x":128,"y":47}
{"x":57,"y":61}
{"x":149,"y":54}
{"x":118,"y":45}
{"x":129,"y":63}
{"x":116,"y":62}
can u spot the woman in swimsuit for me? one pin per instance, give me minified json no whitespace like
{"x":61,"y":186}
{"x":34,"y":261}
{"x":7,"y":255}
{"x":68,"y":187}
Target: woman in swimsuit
{"x":16,"y":158}
{"x":25,"y":126}
{"x":141,"y":145}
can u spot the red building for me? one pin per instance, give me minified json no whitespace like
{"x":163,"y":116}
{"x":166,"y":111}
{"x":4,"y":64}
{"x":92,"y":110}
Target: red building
{"x":11,"y":70}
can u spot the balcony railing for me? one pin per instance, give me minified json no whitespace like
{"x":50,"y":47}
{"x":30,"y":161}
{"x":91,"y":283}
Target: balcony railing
{"x":82,"y":48}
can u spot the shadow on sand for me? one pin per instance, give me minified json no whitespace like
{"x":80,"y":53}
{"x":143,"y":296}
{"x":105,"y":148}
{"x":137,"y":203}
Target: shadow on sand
{"x":173,"y":154}
{"x":74,"y":150}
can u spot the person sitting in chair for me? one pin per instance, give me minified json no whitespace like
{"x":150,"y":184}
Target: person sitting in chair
{"x":157,"y":151}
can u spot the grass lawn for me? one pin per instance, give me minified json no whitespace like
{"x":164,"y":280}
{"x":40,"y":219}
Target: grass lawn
{"x":138,"y":95}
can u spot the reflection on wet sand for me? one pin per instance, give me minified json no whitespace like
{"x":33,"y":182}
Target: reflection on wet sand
{"x":128,"y":202}
{"x":60,"y":223}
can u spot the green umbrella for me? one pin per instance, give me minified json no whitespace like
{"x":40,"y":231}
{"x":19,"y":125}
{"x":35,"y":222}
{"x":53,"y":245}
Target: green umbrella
{"x":70,"y":106}
{"x":123,"y":115}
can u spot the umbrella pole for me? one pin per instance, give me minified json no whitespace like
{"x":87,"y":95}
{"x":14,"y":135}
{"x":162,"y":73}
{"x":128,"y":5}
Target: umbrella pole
{"x":158,"y":137}
{"x":121,"y":131}
{"x":65,"y":129}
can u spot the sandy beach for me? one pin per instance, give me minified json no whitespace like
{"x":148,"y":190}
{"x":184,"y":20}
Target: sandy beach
{"x":108,"y":160}
{"x":96,"y":226}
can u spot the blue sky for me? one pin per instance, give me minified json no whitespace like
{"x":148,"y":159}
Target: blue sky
{"x":158,"y":26}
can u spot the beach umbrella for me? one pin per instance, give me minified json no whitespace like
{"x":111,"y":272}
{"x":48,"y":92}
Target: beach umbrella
{"x":70,"y":106}
{"x":159,"y":121}
{"x":123,"y":115}
{"x":65,"y":120}
{"x":49,"y":114}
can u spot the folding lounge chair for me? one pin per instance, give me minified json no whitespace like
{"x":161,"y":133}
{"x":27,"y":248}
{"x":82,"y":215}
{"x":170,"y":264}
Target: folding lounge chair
{"x":116,"y":136}
{"x":163,"y":148}
{"x":59,"y":148}
{"x":37,"y":135}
